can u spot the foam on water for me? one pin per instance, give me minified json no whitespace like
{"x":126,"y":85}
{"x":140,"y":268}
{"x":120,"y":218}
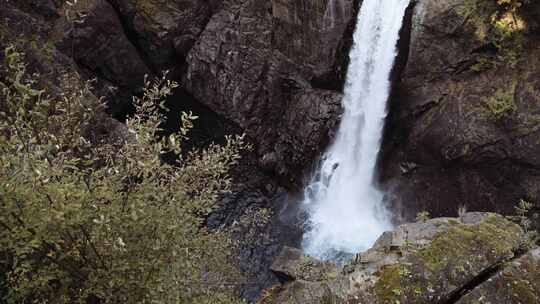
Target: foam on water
{"x":345,"y":210}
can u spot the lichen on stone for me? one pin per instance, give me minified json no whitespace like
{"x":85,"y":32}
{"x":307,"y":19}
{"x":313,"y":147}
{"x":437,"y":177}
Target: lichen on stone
{"x":518,"y":282}
{"x":494,"y":236}
{"x":502,"y":102}
{"x":452,"y":258}
{"x":499,"y":27}
{"x":393,"y":286}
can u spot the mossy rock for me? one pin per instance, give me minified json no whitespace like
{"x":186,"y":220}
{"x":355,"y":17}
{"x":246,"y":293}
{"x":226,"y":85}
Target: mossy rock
{"x":437,"y":259}
{"x":453,"y":258}
{"x":519,"y":282}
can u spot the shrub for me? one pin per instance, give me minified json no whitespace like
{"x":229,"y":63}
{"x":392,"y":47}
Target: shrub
{"x":524,"y":217}
{"x":106,"y":223}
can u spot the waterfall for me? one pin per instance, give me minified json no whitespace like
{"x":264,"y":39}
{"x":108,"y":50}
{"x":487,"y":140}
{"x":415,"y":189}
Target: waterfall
{"x":344,"y":208}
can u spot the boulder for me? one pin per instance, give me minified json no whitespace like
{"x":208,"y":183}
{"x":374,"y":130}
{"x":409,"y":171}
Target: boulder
{"x":432,"y":261}
{"x":456,"y":255}
{"x":305,"y":279}
{"x":301,"y":292}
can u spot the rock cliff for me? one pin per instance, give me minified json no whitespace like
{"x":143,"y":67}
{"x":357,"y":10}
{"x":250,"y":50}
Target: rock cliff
{"x":464,"y":125}
{"x":258,"y":64}
{"x":273,"y":68}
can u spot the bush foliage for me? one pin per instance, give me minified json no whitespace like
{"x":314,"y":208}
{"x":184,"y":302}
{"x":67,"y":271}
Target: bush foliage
{"x":107,"y":222}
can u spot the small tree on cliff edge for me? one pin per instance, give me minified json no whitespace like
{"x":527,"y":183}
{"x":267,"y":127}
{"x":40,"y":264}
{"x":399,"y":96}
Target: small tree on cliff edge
{"x":101,"y":223}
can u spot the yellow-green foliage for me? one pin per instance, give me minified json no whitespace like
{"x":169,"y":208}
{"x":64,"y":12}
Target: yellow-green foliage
{"x":422,"y":216}
{"x":502,"y":102}
{"x":478,"y":12}
{"x":82,"y":222}
{"x":496,"y":23}
{"x":525,"y":219}
{"x":33,"y":44}
{"x":483,"y":62}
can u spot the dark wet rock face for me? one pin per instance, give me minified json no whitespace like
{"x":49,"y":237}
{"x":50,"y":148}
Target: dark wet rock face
{"x":92,"y":34}
{"x":254,"y":64}
{"x":54,"y":70}
{"x":464,"y":122}
{"x":164,"y":31}
{"x":253,"y":211}
{"x":120,"y":41}
{"x":310,"y":34}
{"x":306,"y":127}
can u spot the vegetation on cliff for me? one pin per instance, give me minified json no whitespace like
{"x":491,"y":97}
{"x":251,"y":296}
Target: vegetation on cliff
{"x":87,"y":220}
{"x":500,"y":26}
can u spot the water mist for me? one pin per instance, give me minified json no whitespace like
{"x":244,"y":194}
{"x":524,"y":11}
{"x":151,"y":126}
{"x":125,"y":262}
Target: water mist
{"x":345,"y":209}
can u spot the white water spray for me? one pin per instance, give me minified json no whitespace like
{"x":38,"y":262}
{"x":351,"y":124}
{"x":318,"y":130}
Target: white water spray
{"x":346,"y":214}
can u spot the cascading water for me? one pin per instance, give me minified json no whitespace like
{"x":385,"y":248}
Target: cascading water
{"x":345,"y":210}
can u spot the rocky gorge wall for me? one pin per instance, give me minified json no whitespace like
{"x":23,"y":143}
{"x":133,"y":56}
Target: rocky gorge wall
{"x":273,"y":68}
{"x":238,"y":70}
{"x":463,"y":125}
{"x":464,"y":117}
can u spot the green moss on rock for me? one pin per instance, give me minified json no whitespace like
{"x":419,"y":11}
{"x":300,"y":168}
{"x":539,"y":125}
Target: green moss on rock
{"x":497,"y":25}
{"x":519,"y":282}
{"x":393,"y":286}
{"x":451,"y":259}
{"x":495,"y":236}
